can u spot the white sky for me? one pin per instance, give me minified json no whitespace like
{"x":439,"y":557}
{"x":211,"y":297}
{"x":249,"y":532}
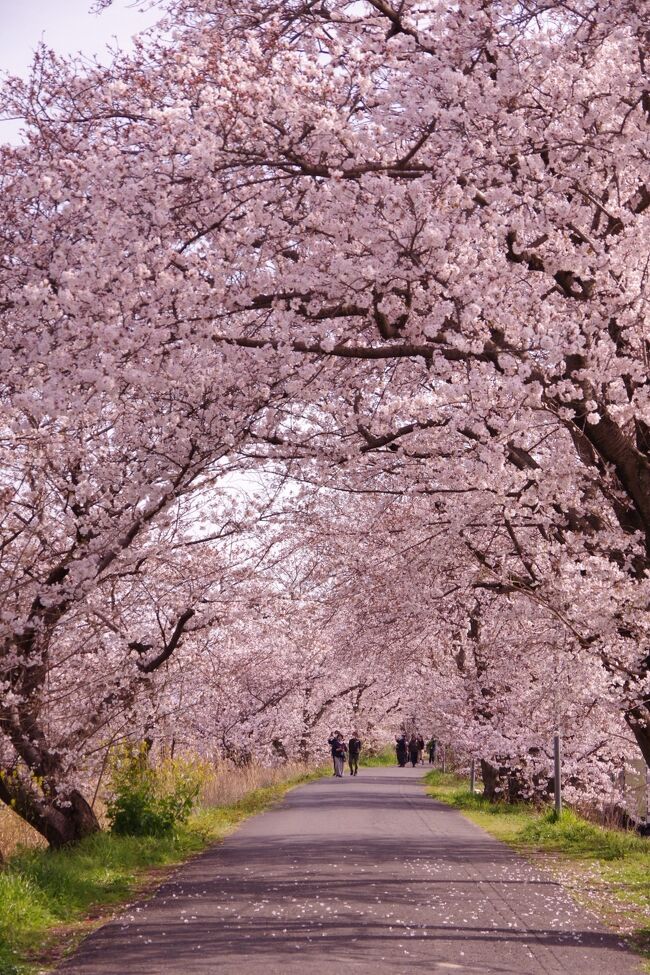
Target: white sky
{"x":67,"y":26}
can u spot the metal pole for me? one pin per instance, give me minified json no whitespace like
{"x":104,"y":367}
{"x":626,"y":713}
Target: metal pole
{"x":444,"y":758}
{"x":557,"y":753}
{"x":472,"y":777}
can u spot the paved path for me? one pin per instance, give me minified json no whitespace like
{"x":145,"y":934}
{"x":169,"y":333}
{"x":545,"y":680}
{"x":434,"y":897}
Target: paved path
{"x":361,"y":875}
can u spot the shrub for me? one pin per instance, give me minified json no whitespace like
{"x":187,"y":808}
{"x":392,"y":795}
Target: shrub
{"x":150,"y":800}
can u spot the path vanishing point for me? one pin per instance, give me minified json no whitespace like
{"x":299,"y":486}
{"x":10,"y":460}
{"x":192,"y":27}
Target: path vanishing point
{"x":366,"y":876}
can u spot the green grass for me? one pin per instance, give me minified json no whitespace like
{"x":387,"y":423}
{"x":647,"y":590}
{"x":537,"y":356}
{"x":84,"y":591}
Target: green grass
{"x":45,"y":895}
{"x":621,"y":857}
{"x":502,"y":820}
{"x":384,"y":757}
{"x":582,"y":839}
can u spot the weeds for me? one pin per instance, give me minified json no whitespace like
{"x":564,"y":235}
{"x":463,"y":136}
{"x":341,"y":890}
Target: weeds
{"x":571,"y":834}
{"x":151,"y":800}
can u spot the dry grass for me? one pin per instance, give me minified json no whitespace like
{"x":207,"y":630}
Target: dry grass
{"x":14,"y":833}
{"x":224,"y":784}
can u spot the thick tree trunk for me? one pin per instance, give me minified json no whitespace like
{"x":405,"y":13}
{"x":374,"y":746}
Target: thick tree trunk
{"x":492,"y":783}
{"x":304,"y":746}
{"x":278,"y":747}
{"x":501,"y":783}
{"x":33,"y":785}
{"x":63,"y":821}
{"x":239,"y":755}
{"x":304,"y":742}
{"x":63,"y":826}
{"x":638,"y":720}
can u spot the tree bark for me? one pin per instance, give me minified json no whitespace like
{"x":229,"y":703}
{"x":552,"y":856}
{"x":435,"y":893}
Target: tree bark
{"x":638,"y":720}
{"x":492,"y":784}
{"x":63,"y":820}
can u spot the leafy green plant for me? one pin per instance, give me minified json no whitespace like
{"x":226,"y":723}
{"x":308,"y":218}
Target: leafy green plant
{"x":150,"y":800}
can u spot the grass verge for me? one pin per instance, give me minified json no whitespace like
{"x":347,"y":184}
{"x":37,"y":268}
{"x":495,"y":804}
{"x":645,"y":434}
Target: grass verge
{"x":382,"y":758}
{"x":49,"y":900}
{"x":608,"y":870}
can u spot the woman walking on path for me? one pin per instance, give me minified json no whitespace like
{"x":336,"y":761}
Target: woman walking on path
{"x":414,"y":751}
{"x":339,"y":748}
{"x":431,"y":748}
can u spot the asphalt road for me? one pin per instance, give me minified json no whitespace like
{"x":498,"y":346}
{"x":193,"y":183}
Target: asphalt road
{"x":361,"y":875}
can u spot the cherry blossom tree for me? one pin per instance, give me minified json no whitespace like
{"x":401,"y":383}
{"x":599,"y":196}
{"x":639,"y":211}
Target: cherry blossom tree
{"x":108,"y":426}
{"x":494,"y":673}
{"x":395,"y":251}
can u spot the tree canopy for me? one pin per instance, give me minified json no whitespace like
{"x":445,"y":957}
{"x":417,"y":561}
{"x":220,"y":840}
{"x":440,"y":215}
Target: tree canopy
{"x":325,"y":388}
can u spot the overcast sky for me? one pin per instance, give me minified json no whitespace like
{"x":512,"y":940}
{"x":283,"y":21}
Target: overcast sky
{"x":65,"y":25}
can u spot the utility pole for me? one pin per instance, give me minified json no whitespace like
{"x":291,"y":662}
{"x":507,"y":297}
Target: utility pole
{"x":557,"y":753}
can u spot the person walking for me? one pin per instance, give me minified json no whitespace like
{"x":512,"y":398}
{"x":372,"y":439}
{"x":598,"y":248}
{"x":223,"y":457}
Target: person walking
{"x":354,"y":750}
{"x":420,"y":749}
{"x":339,"y":748}
{"x":401,"y":749}
{"x":431,"y":749}
{"x":413,"y":750}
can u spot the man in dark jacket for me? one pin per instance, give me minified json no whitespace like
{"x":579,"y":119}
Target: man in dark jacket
{"x":413,"y":750}
{"x":354,"y":750}
{"x":431,"y":748}
{"x":402,"y":750}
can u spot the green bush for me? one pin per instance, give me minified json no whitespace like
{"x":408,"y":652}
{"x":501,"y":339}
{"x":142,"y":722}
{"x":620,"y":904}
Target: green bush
{"x":147,"y":800}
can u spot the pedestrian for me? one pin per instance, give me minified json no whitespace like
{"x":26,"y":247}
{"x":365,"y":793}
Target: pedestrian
{"x":413,"y":750}
{"x":332,"y":741}
{"x":339,"y":748}
{"x":420,"y":749}
{"x":431,"y":749}
{"x":401,"y":748}
{"x":354,"y":750}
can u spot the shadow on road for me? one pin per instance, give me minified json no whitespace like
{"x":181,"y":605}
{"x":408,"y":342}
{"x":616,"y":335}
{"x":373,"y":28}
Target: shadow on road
{"x":368,"y":877}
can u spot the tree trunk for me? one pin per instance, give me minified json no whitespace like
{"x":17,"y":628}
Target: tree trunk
{"x":501,"y":783}
{"x":64,"y":826}
{"x":638,"y":720}
{"x":239,"y":755}
{"x":65,"y":820}
{"x":304,"y":747}
{"x":492,"y":784}
{"x":279,"y":749}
